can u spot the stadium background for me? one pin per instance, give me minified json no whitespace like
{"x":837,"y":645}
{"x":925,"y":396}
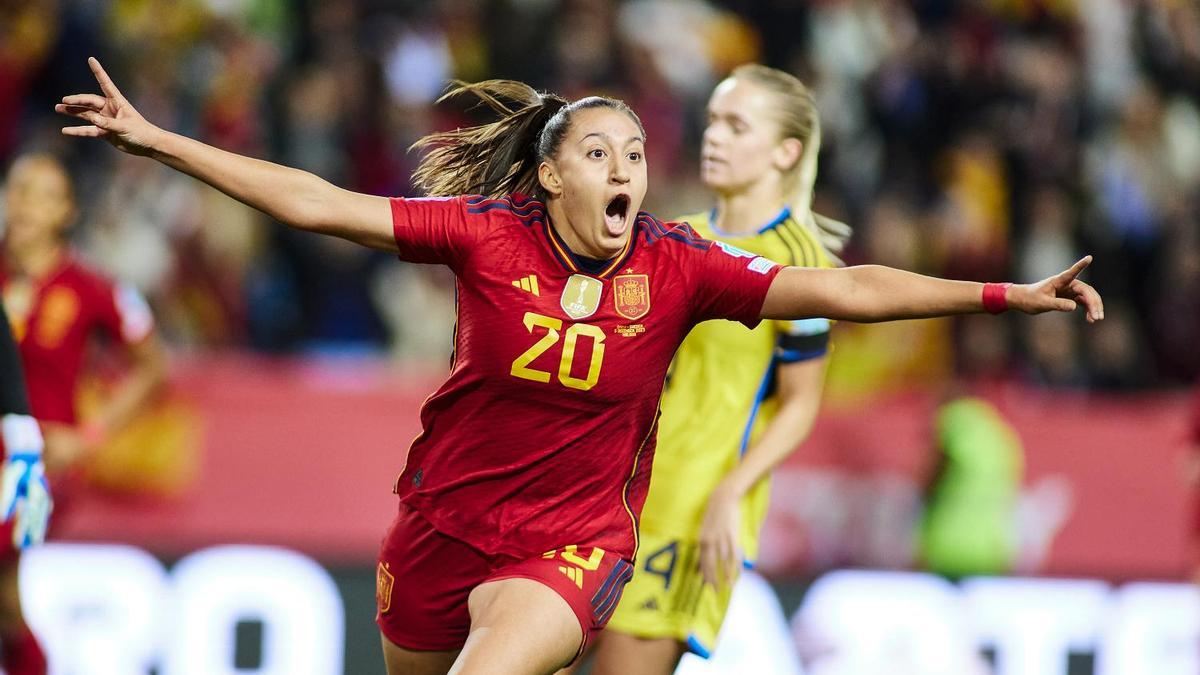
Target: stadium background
{"x":980,"y":139}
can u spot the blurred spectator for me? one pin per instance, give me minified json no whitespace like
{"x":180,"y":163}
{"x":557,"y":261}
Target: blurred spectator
{"x":1116,"y":357}
{"x":1052,"y":349}
{"x":28,"y":31}
{"x":1048,"y":244}
{"x":1176,"y":310}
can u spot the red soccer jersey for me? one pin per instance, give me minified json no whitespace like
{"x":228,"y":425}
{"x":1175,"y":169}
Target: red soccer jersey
{"x":544,"y":433}
{"x":52,"y":319}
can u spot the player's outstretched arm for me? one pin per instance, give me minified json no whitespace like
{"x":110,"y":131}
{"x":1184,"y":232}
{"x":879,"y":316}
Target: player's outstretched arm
{"x":293,"y":197}
{"x":871,"y":293}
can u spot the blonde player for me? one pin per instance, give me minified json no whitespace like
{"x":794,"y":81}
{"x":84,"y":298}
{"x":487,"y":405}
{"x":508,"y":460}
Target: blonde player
{"x":737,"y":400}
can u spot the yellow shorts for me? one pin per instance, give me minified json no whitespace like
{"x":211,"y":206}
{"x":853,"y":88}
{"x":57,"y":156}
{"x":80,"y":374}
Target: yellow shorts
{"x":667,"y":597}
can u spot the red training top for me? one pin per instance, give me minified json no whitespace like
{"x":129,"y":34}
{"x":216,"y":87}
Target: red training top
{"x":544,"y":433}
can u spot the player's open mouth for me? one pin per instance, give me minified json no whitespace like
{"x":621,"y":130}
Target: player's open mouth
{"x":616,"y":215}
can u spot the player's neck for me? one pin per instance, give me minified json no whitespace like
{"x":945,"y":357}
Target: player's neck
{"x":747,"y":211}
{"x":35,"y":261}
{"x":562,"y":227}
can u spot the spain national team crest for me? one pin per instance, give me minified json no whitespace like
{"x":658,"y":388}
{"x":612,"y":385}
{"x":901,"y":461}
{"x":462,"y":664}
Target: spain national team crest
{"x":383,"y":588}
{"x":581,"y":296}
{"x":631,"y":295}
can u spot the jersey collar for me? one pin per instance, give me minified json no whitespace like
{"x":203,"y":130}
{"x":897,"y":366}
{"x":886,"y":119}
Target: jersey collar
{"x":577,"y":264}
{"x":778,"y":220}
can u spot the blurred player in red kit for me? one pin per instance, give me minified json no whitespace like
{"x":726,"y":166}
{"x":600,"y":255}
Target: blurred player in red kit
{"x":519,"y":501}
{"x":56,"y":306}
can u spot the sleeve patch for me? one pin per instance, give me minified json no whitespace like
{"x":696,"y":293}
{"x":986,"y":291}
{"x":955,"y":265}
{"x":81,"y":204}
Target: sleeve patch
{"x":733,"y":250}
{"x":761,"y":265}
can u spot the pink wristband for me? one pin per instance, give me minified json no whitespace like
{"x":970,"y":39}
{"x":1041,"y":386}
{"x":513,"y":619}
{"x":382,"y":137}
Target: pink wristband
{"x":995,"y":298}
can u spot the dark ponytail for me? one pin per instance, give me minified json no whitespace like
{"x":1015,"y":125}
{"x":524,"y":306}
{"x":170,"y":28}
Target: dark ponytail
{"x":500,"y":157}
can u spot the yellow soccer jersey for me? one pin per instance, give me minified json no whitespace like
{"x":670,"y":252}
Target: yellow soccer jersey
{"x":720,"y":394}
{"x":718,"y":398}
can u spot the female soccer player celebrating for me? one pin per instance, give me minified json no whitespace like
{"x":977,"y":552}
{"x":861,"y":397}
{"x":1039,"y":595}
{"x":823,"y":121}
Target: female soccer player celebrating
{"x":737,"y":401}
{"x":518,"y":503}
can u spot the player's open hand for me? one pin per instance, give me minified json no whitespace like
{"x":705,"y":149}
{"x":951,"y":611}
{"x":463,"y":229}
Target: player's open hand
{"x":1062,"y":293}
{"x":720,"y":538}
{"x":109,"y":116}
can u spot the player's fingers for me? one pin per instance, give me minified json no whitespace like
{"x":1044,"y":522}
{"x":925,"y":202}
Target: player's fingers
{"x":1090,"y":299}
{"x":84,"y":132}
{"x":728,"y":555}
{"x":85,"y":114}
{"x":106,"y":84}
{"x":735,"y":563}
{"x":74,"y":110}
{"x":1067,"y":276}
{"x":96,"y":119}
{"x":1064,"y":305}
{"x":708,"y":563}
{"x":87,"y":100}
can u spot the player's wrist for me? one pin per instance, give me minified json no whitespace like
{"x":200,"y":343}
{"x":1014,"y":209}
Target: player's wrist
{"x":996,"y":297}
{"x":21,"y":435}
{"x":163,"y":145}
{"x":730,"y":489}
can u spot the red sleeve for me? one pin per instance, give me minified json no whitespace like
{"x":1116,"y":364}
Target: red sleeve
{"x":727,"y":282}
{"x":433,"y":230}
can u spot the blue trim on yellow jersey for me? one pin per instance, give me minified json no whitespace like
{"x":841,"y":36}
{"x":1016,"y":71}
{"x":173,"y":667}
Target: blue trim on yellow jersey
{"x":763,"y":388}
{"x":697,"y":648}
{"x":781,"y":218}
{"x":796,"y":356}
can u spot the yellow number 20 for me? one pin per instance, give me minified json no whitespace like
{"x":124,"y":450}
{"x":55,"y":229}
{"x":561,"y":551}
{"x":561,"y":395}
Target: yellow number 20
{"x":520,"y":365}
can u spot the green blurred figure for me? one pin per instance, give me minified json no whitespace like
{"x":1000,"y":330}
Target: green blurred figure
{"x":969,"y":523}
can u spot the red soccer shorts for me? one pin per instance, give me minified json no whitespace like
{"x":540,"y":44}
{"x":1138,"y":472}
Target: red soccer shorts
{"x":424,"y":577}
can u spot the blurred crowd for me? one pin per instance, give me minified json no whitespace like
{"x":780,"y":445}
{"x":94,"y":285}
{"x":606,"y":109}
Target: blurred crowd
{"x":979,"y":139}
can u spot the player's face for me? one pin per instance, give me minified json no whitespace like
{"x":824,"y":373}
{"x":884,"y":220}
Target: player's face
{"x":599,"y":174}
{"x":743,"y":143}
{"x":38,"y":202}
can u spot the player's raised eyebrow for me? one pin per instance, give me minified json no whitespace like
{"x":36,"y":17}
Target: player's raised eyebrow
{"x":605,"y":137}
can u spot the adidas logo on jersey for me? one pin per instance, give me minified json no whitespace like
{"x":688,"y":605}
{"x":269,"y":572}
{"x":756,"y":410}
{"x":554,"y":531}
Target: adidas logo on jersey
{"x":573,"y":573}
{"x":528,"y":284}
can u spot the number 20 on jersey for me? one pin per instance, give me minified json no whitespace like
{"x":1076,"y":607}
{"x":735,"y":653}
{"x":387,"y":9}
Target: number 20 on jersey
{"x":570,"y":338}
